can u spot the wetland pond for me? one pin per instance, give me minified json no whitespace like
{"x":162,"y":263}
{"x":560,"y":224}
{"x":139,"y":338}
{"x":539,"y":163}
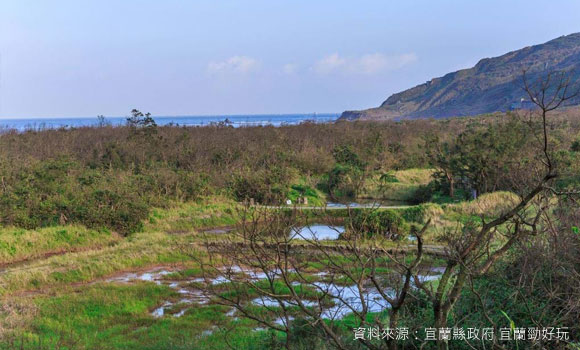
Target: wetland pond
{"x":192,"y":291}
{"x":346,"y":298}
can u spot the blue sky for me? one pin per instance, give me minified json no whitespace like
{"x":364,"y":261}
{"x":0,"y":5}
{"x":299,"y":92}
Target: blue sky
{"x":83,"y":58}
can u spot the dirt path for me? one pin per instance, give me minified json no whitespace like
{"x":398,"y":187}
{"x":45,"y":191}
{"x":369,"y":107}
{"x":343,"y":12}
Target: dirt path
{"x":218,"y":229}
{"x":433,"y":250}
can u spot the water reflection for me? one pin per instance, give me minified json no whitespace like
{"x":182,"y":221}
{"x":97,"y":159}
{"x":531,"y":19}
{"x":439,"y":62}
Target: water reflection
{"x":345,"y":298}
{"x":367,"y":204}
{"x":317,"y":232}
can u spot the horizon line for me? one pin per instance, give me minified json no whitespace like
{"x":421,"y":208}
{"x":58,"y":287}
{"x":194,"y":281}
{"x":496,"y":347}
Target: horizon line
{"x":177,"y":116}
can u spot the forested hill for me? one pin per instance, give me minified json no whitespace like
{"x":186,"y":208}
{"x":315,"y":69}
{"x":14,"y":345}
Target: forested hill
{"x":494,"y":84}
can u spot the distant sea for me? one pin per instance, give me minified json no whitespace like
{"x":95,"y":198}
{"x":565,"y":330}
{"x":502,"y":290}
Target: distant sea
{"x":235,"y":120}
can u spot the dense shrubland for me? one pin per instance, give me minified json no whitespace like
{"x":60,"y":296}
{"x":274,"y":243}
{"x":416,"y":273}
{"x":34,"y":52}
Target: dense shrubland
{"x":112,"y":176}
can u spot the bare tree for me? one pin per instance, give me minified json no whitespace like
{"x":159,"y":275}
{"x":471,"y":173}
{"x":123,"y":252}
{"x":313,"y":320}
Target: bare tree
{"x":263,"y":264}
{"x":472,"y":251}
{"x":268,"y":264}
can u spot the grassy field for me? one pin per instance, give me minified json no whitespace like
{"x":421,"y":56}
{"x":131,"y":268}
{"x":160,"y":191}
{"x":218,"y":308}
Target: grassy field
{"x":48,"y":296}
{"x":105,"y":316}
{"x":54,"y":290}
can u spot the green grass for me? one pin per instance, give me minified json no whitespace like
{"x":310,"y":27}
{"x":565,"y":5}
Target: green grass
{"x":157,"y":244}
{"x":414,"y":176}
{"x":490,"y":204}
{"x":191,"y":216}
{"x":422,"y":212}
{"x":142,"y":249}
{"x":185,"y":274}
{"x":72,"y":254}
{"x":315,"y":197}
{"x":108,"y":316}
{"x":18,"y":244}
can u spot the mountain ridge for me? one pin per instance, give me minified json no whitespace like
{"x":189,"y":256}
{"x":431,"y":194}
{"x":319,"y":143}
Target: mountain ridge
{"x":492,"y":85}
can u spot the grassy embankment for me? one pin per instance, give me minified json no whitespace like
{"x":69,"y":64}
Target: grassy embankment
{"x":19,"y":245}
{"x":78,"y":255}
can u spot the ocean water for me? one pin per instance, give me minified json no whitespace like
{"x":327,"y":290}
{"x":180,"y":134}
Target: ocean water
{"x":235,"y":121}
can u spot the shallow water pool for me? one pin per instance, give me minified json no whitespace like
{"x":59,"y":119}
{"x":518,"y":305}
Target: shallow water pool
{"x":317,"y":232}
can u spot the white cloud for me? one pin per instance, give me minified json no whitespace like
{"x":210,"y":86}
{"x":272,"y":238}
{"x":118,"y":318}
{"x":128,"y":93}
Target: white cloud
{"x":329,"y":63}
{"x":290,"y":68}
{"x":365,"y":64}
{"x":236,"y":64}
{"x":375,"y":63}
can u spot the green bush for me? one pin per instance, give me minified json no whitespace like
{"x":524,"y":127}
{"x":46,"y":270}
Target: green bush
{"x":56,"y":192}
{"x":267,"y":186}
{"x":423,"y":193}
{"x":304,"y":191}
{"x":343,"y":181}
{"x":384,"y":223}
{"x":575,"y":147}
{"x":421,"y":213}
